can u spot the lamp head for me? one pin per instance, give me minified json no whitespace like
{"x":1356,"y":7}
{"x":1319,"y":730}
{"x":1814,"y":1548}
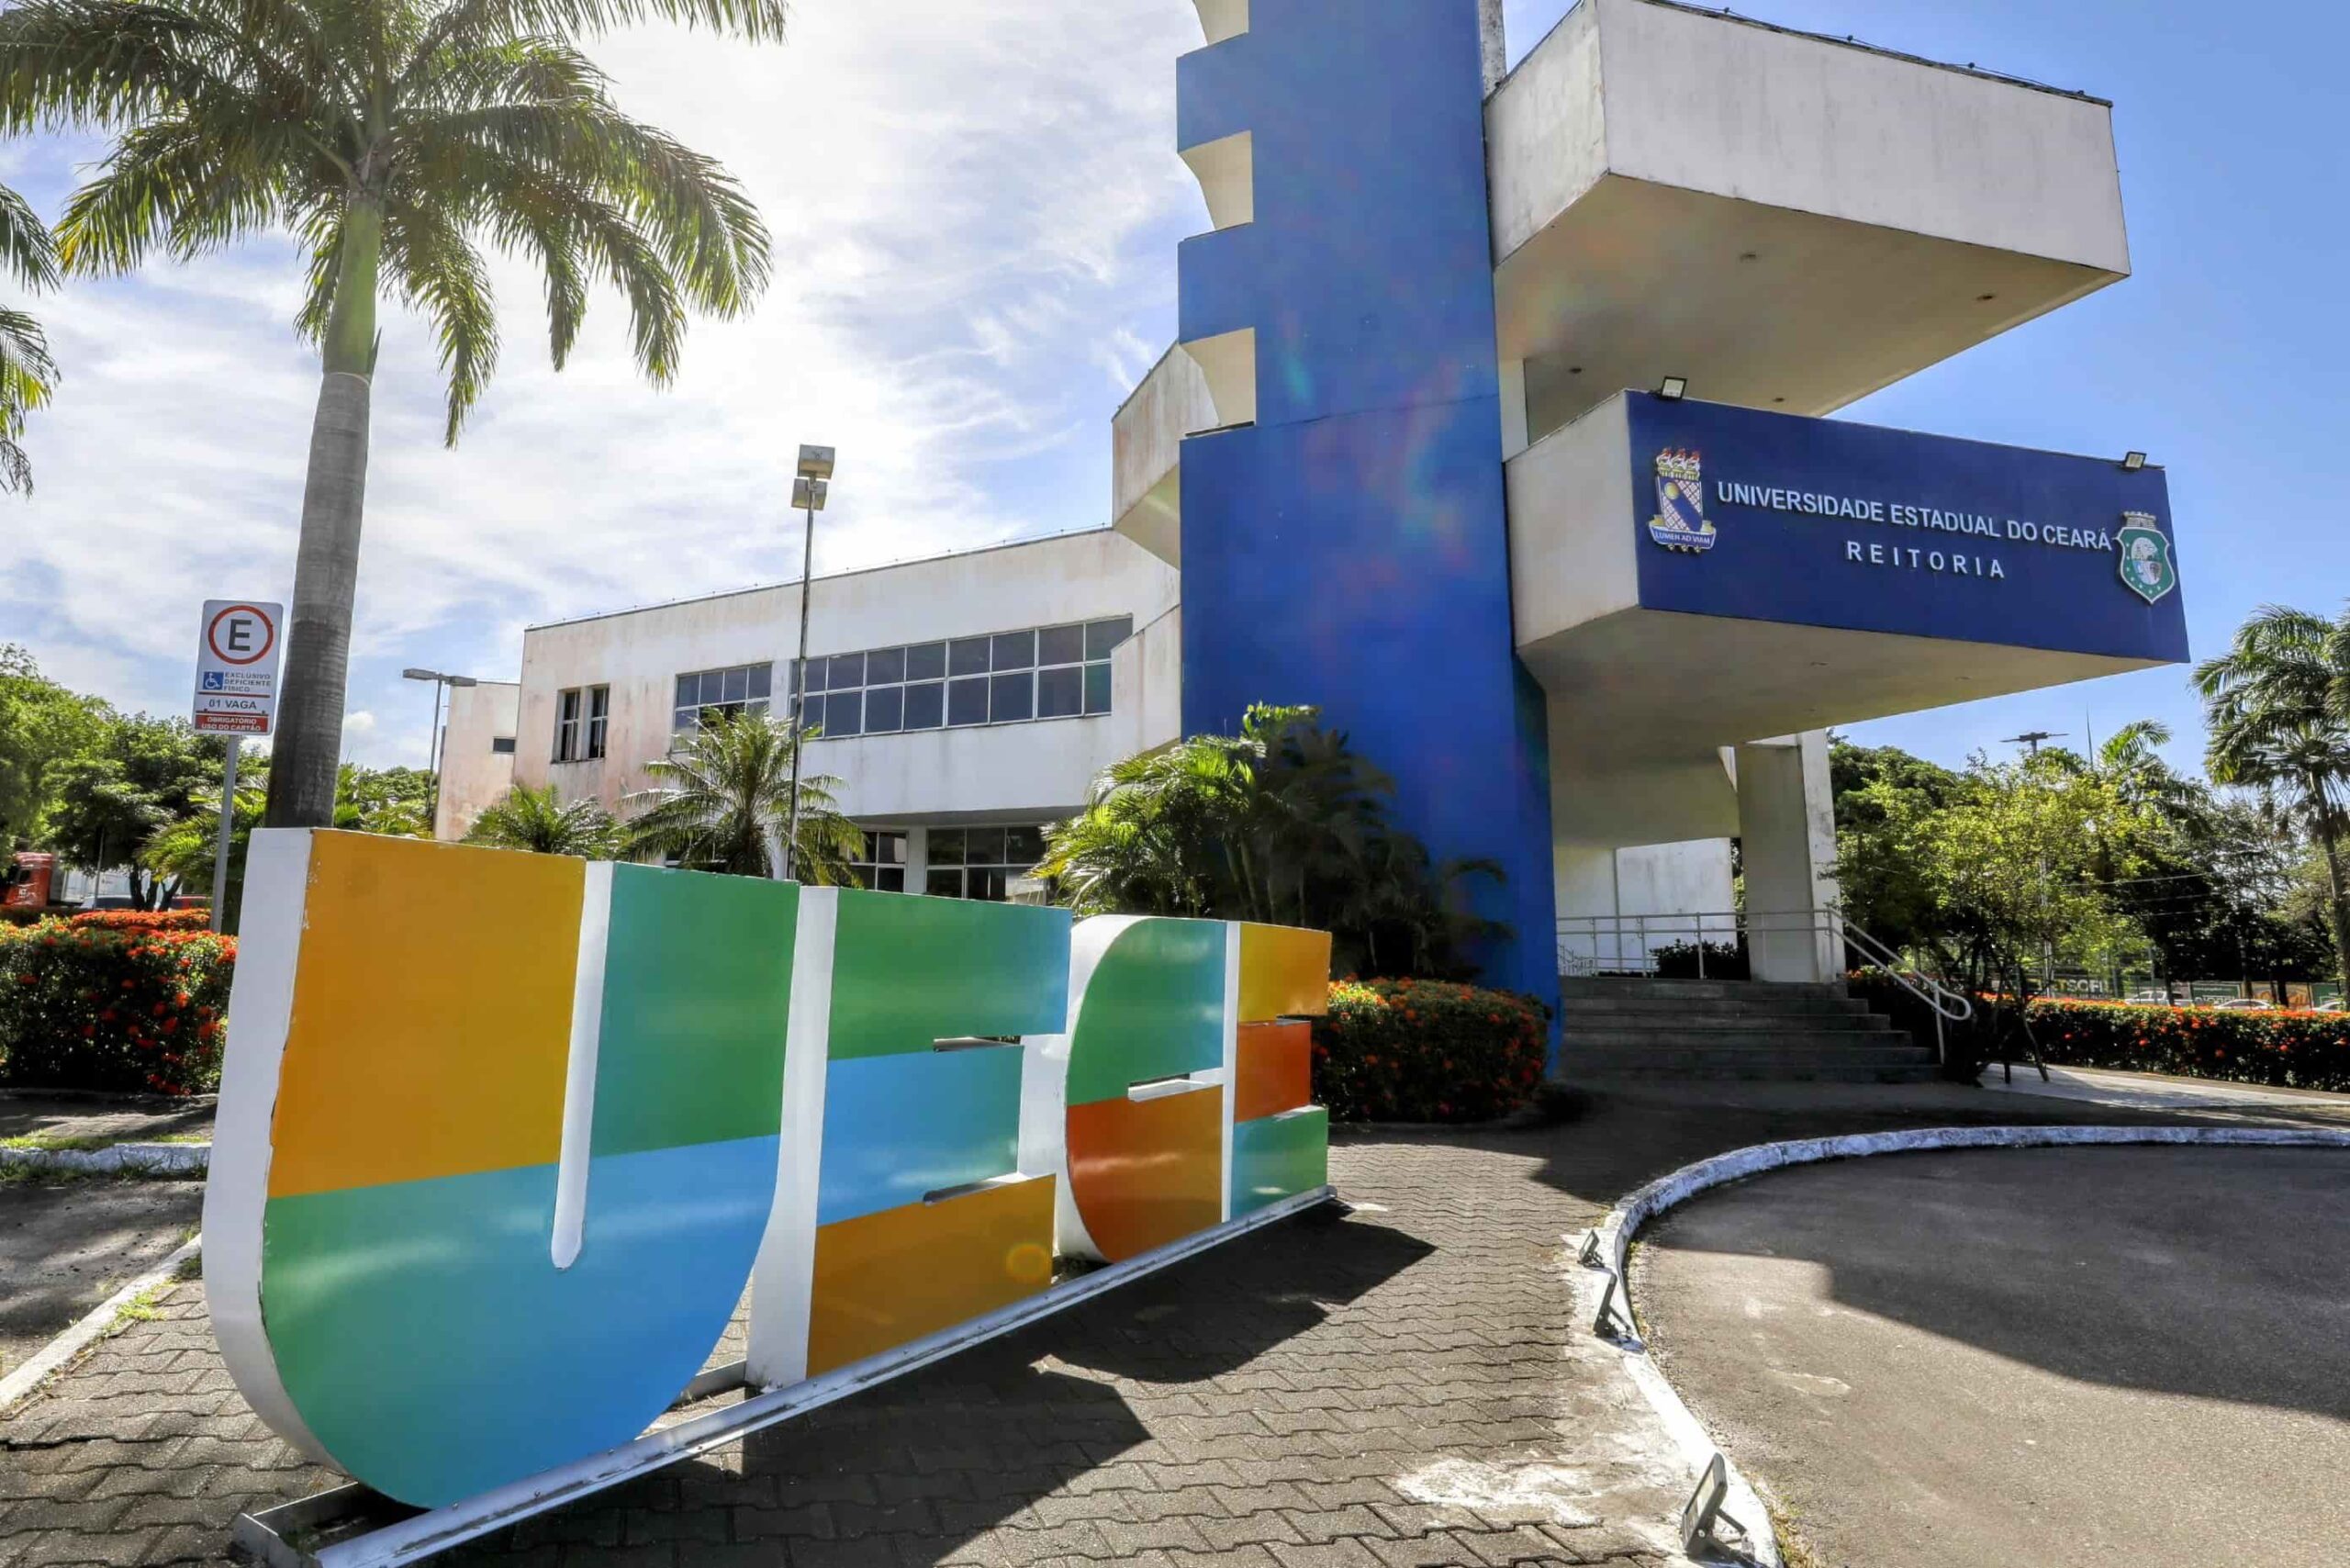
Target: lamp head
{"x":808,"y":495}
{"x":815,"y":463}
{"x":1672,"y":388}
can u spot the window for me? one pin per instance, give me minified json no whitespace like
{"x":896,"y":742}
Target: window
{"x":882,"y":865}
{"x":501,"y":745}
{"x":1006,"y":677}
{"x":582,"y":717}
{"x":599,"y":719}
{"x":721,"y":693}
{"x":567,"y":726}
{"x":981,"y":862}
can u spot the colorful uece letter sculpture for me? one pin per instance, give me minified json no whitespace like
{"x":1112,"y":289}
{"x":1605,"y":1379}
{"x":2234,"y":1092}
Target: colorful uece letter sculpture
{"x":902,"y":1209}
{"x":452,"y":1071}
{"x":1137,"y":1102}
{"x":502,"y":1138}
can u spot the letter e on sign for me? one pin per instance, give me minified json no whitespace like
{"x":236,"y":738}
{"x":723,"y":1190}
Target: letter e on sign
{"x":236,"y":666}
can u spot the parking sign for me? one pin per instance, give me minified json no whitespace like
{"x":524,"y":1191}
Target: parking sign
{"x":236,"y":666}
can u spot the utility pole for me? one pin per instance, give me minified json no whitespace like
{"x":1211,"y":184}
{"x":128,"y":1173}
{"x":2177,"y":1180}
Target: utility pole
{"x":2047,"y":947}
{"x":810,"y":488}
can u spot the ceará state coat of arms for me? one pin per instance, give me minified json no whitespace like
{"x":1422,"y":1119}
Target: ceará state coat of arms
{"x":2146,"y":566}
{"x":1680,"y":522}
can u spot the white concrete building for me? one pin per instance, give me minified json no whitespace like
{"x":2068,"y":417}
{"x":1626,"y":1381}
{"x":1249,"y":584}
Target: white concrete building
{"x":966,"y":701}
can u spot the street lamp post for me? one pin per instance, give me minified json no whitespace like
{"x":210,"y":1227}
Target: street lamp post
{"x":810,"y":487}
{"x":433,"y":747}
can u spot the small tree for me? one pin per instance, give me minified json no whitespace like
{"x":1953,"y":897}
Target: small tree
{"x":1284,"y":824}
{"x":538,"y":821}
{"x":723,"y":796}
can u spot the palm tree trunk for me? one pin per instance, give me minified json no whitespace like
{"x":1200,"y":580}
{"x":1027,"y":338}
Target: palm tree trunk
{"x":308,"y":745}
{"x":2339,"y":917}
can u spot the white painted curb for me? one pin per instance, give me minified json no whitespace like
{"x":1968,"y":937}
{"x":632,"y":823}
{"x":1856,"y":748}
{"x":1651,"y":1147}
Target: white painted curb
{"x":117,"y":1160}
{"x":90,"y":1329}
{"x":1616,"y":1233}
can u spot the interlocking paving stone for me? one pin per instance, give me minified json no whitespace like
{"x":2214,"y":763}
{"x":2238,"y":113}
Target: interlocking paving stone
{"x":1278,"y":1403}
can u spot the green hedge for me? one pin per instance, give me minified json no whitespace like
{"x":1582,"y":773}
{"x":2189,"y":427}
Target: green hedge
{"x":1427,"y":1051}
{"x":2284,"y":1049}
{"x":85,"y":1007}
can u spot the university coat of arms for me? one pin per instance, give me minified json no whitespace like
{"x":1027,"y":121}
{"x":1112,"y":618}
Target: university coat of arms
{"x":1680,"y":522}
{"x":2146,"y":566}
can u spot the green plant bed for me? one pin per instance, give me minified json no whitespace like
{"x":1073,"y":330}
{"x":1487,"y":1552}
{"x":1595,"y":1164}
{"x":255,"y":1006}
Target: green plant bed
{"x":2281,"y":1049}
{"x":87,"y":1007}
{"x":1427,"y":1051}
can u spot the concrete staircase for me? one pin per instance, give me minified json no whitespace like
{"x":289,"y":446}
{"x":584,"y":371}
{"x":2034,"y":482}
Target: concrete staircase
{"x":1629,"y":1027}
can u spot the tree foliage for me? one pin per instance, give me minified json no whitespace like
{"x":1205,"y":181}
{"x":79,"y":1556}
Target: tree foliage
{"x":1283,"y":823}
{"x":28,"y":374}
{"x":397,"y":143}
{"x":722,"y":799}
{"x":143,"y":774}
{"x":42,"y":725}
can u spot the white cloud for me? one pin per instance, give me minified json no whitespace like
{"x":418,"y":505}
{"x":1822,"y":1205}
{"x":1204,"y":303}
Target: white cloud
{"x":364,"y":723}
{"x":974,"y":210}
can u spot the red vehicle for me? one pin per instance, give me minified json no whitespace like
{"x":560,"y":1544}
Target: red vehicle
{"x":28,"y":883}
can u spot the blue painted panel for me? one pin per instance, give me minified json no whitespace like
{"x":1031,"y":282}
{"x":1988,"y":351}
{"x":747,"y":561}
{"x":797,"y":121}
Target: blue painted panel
{"x":1351,"y":550}
{"x":433,"y":1347}
{"x":1789,"y":561}
{"x":899,"y":1127}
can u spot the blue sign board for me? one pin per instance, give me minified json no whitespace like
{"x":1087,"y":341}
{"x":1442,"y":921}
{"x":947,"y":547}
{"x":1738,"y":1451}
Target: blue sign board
{"x":1826,"y":523}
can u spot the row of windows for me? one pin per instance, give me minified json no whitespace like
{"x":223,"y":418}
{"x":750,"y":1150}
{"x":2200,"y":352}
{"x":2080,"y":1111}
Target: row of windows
{"x":709,"y":694}
{"x":1048,"y":672}
{"x":964,"y":863}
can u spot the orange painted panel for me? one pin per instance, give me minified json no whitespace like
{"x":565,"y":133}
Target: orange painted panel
{"x":887,"y":1278}
{"x":1145,"y":1172}
{"x":1284,"y":973}
{"x":432,"y":1013}
{"x":1276,"y":1069}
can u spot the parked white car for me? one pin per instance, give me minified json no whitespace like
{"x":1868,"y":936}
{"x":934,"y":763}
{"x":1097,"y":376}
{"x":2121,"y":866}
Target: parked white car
{"x":2244,"y":1004}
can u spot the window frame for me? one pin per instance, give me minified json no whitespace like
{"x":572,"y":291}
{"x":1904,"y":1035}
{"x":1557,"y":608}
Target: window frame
{"x":950,"y":670}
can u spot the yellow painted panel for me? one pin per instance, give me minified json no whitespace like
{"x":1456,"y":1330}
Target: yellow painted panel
{"x":884,"y":1279}
{"x":432,"y":1013}
{"x":1284,"y":973}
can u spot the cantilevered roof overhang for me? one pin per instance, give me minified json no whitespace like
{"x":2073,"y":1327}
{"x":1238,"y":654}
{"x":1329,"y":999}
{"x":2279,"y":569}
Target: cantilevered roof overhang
{"x":1788,"y":221}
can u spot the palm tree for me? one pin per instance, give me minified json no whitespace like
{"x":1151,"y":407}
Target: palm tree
{"x":2270,"y":703}
{"x":391,"y":140}
{"x":26,"y":373}
{"x":723,"y":796}
{"x":538,"y":821}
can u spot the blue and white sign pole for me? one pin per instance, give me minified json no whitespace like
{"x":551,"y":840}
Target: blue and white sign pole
{"x":236,"y":696}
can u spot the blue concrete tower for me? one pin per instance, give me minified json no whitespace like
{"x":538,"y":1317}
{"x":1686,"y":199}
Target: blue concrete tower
{"x":1349,"y":548}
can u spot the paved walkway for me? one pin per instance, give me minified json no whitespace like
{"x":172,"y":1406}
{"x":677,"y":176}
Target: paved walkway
{"x":1403,"y":1388}
{"x":2067,"y":1357}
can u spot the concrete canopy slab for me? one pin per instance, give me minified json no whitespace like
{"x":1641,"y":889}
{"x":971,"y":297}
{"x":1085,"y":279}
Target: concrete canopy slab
{"x":1790,"y":221}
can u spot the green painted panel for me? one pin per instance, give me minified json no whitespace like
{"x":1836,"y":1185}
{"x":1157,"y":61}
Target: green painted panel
{"x":1153,"y":1008}
{"x":698,"y":967}
{"x":908,"y":971}
{"x":1278,"y":1156}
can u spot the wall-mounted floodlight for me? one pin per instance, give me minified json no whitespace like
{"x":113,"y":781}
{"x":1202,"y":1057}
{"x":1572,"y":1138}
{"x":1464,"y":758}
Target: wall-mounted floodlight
{"x":808,"y":495}
{"x":1672,"y":388}
{"x":2134,"y":462}
{"x":815,"y":463}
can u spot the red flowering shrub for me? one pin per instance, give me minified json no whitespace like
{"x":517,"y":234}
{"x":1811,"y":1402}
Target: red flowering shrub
{"x":2285,"y":1050}
{"x":144,"y":920}
{"x":85,"y":1007}
{"x":1427,"y":1051}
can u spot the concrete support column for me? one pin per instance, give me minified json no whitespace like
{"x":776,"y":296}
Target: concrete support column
{"x":1496,"y":42}
{"x":1786,"y":818}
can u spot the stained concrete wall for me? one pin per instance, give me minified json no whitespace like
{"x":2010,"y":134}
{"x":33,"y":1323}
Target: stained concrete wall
{"x":1021,"y":772}
{"x":473,"y":772}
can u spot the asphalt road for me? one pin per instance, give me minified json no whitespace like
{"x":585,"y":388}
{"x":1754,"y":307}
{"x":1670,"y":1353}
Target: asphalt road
{"x":65,"y":1246}
{"x":2053,"y":1357}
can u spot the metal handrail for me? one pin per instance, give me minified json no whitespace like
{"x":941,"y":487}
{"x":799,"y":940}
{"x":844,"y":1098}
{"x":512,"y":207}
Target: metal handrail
{"x":1697,"y":928}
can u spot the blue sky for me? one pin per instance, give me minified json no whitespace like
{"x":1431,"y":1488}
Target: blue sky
{"x":976,"y":210}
